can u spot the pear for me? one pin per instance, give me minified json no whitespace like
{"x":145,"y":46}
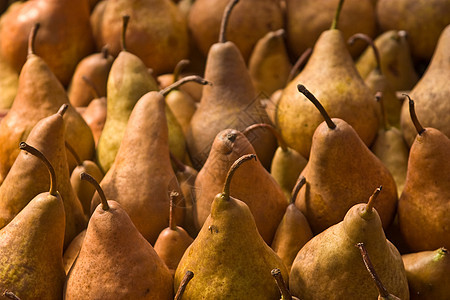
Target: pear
{"x":18,"y":188}
{"x":341,"y":171}
{"x":395,"y":60}
{"x":253,"y":184}
{"x":269,"y":63}
{"x":128,"y":81}
{"x":231,"y":99}
{"x":293,"y":231}
{"x":229,"y":258}
{"x":31,"y":244}
{"x":424,"y":205}
{"x":430,"y":93}
{"x":71,"y":252}
{"x":9,"y":81}
{"x":331,"y":75}
{"x":39,"y":95}
{"x":331,"y":255}
{"x":65,"y":37}
{"x":427,"y":273}
{"x":173,"y":241}
{"x":115,"y":260}
{"x":141,"y":175}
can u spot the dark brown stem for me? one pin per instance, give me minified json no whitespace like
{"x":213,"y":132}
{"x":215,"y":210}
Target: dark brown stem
{"x":175,"y":85}
{"x":178,"y":164}
{"x":379,"y":99}
{"x":369,"y":41}
{"x":32,"y":38}
{"x":272,"y":129}
{"x":233,"y":168}
{"x":225,"y":18}
{"x":62,"y":110}
{"x":74,"y":153}
{"x":369,"y":266}
{"x":10,"y":295}
{"x":186,"y":278}
{"x":105,"y":52}
{"x":298,"y":185}
{"x":126,"y":19}
{"x":91,"y":180}
{"x":302,"y":89}
{"x":35,"y":152}
{"x":299,"y":63}
{"x":336,"y":16}
{"x":276,"y":274}
{"x":414,"y":119}
{"x":372,"y":199}
{"x":179,"y":68}
{"x":173,"y":196}
{"x":94,"y":90}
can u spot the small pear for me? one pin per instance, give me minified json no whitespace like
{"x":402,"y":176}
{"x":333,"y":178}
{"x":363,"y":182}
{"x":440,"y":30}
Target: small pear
{"x":71,"y":252}
{"x":95,"y":113}
{"x":229,"y":258}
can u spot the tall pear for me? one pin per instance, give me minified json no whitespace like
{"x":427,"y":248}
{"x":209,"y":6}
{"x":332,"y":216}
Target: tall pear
{"x":39,"y":95}
{"x":231,"y":102}
{"x":229,"y":258}
{"x":31,"y":246}
{"x":141,"y":175}
{"x":331,"y":75}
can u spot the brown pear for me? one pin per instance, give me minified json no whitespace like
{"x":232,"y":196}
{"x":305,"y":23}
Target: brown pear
{"x":424,"y":205}
{"x":252,"y":184}
{"x":115,"y":260}
{"x":9,"y":80}
{"x":341,"y":171}
{"x":95,"y":116}
{"x":39,"y":95}
{"x":71,"y":252}
{"x":141,"y":175}
{"x":231,"y":102}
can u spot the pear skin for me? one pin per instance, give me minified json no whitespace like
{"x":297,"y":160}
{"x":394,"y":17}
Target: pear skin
{"x":71,"y":252}
{"x":9,"y":81}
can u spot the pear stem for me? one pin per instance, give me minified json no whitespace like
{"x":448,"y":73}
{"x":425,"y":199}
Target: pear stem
{"x":336,"y":16}
{"x":233,"y":168}
{"x":372,"y":199}
{"x":302,"y":89}
{"x":225,"y":18}
{"x":369,"y":41}
{"x":298,"y":185}
{"x":125,"y":19}
{"x":186,"y":278}
{"x":379,"y":99}
{"x":74,"y":153}
{"x":285,"y":294}
{"x":105,"y":52}
{"x":173,"y":196}
{"x":62,"y":110}
{"x":272,"y":129}
{"x":299,"y":63}
{"x":369,"y":266}
{"x":91,"y":180}
{"x":33,"y":151}
{"x":178,"y":164}
{"x":412,"y":112}
{"x":179,"y":68}
{"x":32,"y":38}
{"x":10,"y":295}
{"x":175,"y":85}
{"x":94,"y":90}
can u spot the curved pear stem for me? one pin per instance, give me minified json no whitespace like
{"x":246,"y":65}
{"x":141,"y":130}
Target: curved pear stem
{"x":32,"y":38}
{"x":233,"y":168}
{"x":30,"y":149}
{"x":94,"y":90}
{"x":178,"y":164}
{"x":125,"y":19}
{"x":272,"y":129}
{"x":10,"y":295}
{"x":74,"y":153}
{"x":179,"y":68}
{"x":186,"y":278}
{"x":298,"y":185}
{"x":225,"y":18}
{"x":412,"y":112}
{"x":337,"y":14}
{"x":369,"y":266}
{"x":372,"y":199}
{"x":173,"y":196}
{"x":379,"y":99}
{"x":369,"y":41}
{"x":276,"y":274}
{"x":299,"y":63}
{"x":302,"y":89}
{"x":175,"y":85}
{"x":91,"y":180}
{"x":62,"y":110}
{"x":105,"y":52}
